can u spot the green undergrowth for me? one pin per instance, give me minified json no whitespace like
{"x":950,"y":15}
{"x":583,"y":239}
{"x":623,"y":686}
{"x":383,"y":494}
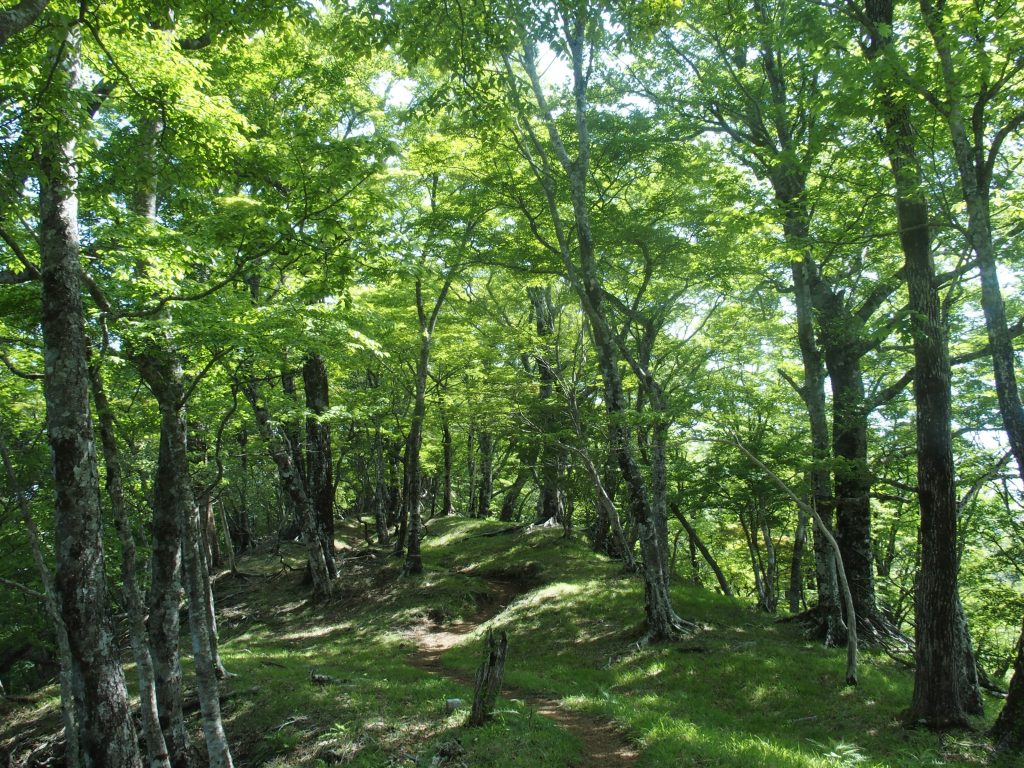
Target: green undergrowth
{"x":744,"y":691}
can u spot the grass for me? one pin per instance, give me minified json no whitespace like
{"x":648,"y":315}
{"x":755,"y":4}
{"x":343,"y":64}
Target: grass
{"x":745,"y":691}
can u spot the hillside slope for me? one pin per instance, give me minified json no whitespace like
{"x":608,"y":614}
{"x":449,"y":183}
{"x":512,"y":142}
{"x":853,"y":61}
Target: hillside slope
{"x":390,"y":650}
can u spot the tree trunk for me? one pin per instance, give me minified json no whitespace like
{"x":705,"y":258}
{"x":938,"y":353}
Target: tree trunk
{"x":483,"y":507}
{"x":582,"y":273}
{"x":163,"y":372}
{"x":1008,"y":730}
{"x":852,"y":480}
{"x":156,"y":748}
{"x":549,"y":502}
{"x":973,"y":166}
{"x":319,"y":460}
{"x":795,"y":593}
{"x":944,"y":693}
{"x":471,"y":472}
{"x":414,"y":473}
{"x":448,"y":507}
{"x":704,"y":551}
{"x":789,"y":193}
{"x":106,"y":734}
{"x":380,"y":491}
{"x":488,"y":678}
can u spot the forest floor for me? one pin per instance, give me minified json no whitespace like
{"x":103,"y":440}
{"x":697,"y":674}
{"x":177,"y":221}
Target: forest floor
{"x":390,"y":650}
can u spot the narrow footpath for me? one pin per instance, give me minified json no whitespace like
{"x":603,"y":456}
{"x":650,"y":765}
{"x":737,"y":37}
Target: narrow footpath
{"x":604,"y":745}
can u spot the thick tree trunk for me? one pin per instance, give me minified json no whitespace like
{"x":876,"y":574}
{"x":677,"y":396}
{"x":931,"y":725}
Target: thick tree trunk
{"x":852,"y":479}
{"x":281,"y":453}
{"x":106,"y":734}
{"x":944,"y":692}
{"x":156,"y":748}
{"x":319,"y":460}
{"x":973,"y":167}
{"x":508,"y":505}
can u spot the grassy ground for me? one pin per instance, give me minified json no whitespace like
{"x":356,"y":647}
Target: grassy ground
{"x":744,"y":692}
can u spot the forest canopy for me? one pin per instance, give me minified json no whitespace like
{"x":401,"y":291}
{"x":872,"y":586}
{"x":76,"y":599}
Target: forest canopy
{"x":728,"y":290}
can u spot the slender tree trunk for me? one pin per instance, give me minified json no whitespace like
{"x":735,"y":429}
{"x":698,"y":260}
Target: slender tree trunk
{"x":796,"y":581}
{"x":163,"y":373}
{"x":691,"y":532}
{"x":380,"y":491}
{"x":448,"y":506}
{"x":156,"y":748}
{"x":414,"y":473}
{"x":165,"y":595}
{"x":582,"y":273}
{"x":483,"y":507}
{"x":106,"y":735}
{"x":549,"y":502}
{"x":944,"y":693}
{"x":471,"y":472}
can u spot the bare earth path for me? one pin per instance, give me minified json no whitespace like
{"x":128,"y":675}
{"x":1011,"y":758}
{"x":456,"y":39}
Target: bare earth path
{"x":604,"y":744}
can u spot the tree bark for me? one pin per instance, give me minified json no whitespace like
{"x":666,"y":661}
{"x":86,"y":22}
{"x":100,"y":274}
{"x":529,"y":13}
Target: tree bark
{"x":106,"y":734}
{"x":19,"y":18}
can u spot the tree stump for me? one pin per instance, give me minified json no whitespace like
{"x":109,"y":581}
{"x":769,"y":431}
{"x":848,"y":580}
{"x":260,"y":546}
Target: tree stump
{"x":488,"y":678}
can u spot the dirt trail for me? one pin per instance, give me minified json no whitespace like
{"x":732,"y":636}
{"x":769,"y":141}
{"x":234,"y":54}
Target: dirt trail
{"x":604,"y":744}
